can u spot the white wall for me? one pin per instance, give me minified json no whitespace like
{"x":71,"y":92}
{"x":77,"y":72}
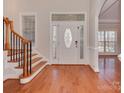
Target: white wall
{"x":13,"y":8}
{"x":99,"y":5}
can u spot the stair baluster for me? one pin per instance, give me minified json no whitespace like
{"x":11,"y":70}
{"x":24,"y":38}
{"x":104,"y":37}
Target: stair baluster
{"x":30,"y":57}
{"x":20,"y":48}
{"x":11,"y":47}
{"x":27,"y":59}
{"x":19,"y":53}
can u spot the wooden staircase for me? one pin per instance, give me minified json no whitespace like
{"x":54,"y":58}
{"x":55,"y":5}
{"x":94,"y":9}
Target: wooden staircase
{"x":20,"y":51}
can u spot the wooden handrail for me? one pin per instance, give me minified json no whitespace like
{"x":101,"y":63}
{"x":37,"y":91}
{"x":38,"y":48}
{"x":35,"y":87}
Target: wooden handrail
{"x":24,"y":39}
{"x":6,"y":20}
{"x":12,"y":30}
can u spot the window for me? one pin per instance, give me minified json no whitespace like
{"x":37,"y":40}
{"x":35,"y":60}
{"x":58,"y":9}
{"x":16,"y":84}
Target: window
{"x":28,"y":27}
{"x":107,"y":41}
{"x":101,"y":41}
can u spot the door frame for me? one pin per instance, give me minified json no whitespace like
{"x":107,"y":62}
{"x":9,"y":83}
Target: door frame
{"x":85,"y":35}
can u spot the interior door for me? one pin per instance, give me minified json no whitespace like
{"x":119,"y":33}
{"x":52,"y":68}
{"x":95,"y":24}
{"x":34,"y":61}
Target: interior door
{"x":68,"y":44}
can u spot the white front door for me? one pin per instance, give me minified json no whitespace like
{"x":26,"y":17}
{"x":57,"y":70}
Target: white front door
{"x":68,"y":43}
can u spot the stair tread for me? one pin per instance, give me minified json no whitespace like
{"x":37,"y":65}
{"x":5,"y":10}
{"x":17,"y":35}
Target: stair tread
{"x":29,"y":64}
{"x":14,"y":60}
{"x":33,"y":61}
{"x":17,"y":52}
{"x":16,"y":49}
{"x":38,"y":66}
{"x":36,"y":59}
{"x":9,"y":53}
{"x":33,"y":55}
{"x":34,"y":69}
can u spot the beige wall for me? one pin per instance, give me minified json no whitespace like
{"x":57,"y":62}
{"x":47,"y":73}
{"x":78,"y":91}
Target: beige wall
{"x":42,"y":8}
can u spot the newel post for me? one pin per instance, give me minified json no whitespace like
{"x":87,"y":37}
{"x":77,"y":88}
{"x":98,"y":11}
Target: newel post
{"x":7,"y":41}
{"x":11,"y":26}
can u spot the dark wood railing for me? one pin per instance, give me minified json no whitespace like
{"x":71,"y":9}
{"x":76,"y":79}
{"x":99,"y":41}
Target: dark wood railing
{"x":18,"y":47}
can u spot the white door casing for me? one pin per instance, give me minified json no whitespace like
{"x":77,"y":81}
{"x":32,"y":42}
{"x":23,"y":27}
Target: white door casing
{"x":70,"y":53}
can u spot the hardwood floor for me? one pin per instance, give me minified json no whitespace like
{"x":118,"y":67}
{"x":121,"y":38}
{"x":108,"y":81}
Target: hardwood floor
{"x":72,"y":79}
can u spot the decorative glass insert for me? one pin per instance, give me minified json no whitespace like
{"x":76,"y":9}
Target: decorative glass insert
{"x":81,"y":42}
{"x":54,"y":39}
{"x":68,"y":37}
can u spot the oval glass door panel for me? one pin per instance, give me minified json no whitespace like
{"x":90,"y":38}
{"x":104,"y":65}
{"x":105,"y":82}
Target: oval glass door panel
{"x":68,"y":37}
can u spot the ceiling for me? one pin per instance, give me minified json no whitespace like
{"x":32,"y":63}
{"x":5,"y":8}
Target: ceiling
{"x":110,"y":11}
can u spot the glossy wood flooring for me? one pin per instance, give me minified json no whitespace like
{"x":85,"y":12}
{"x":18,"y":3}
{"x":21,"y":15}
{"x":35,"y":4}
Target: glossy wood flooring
{"x":72,"y":79}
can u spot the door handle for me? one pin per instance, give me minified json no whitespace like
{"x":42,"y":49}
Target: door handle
{"x":76,"y":43}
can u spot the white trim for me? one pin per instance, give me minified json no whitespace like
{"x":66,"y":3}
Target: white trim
{"x":26,"y":14}
{"x":93,"y":48}
{"x":94,"y":69}
{"x":36,"y":63}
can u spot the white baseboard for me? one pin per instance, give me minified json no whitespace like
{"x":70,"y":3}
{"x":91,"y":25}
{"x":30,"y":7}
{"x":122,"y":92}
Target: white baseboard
{"x":94,"y":69}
